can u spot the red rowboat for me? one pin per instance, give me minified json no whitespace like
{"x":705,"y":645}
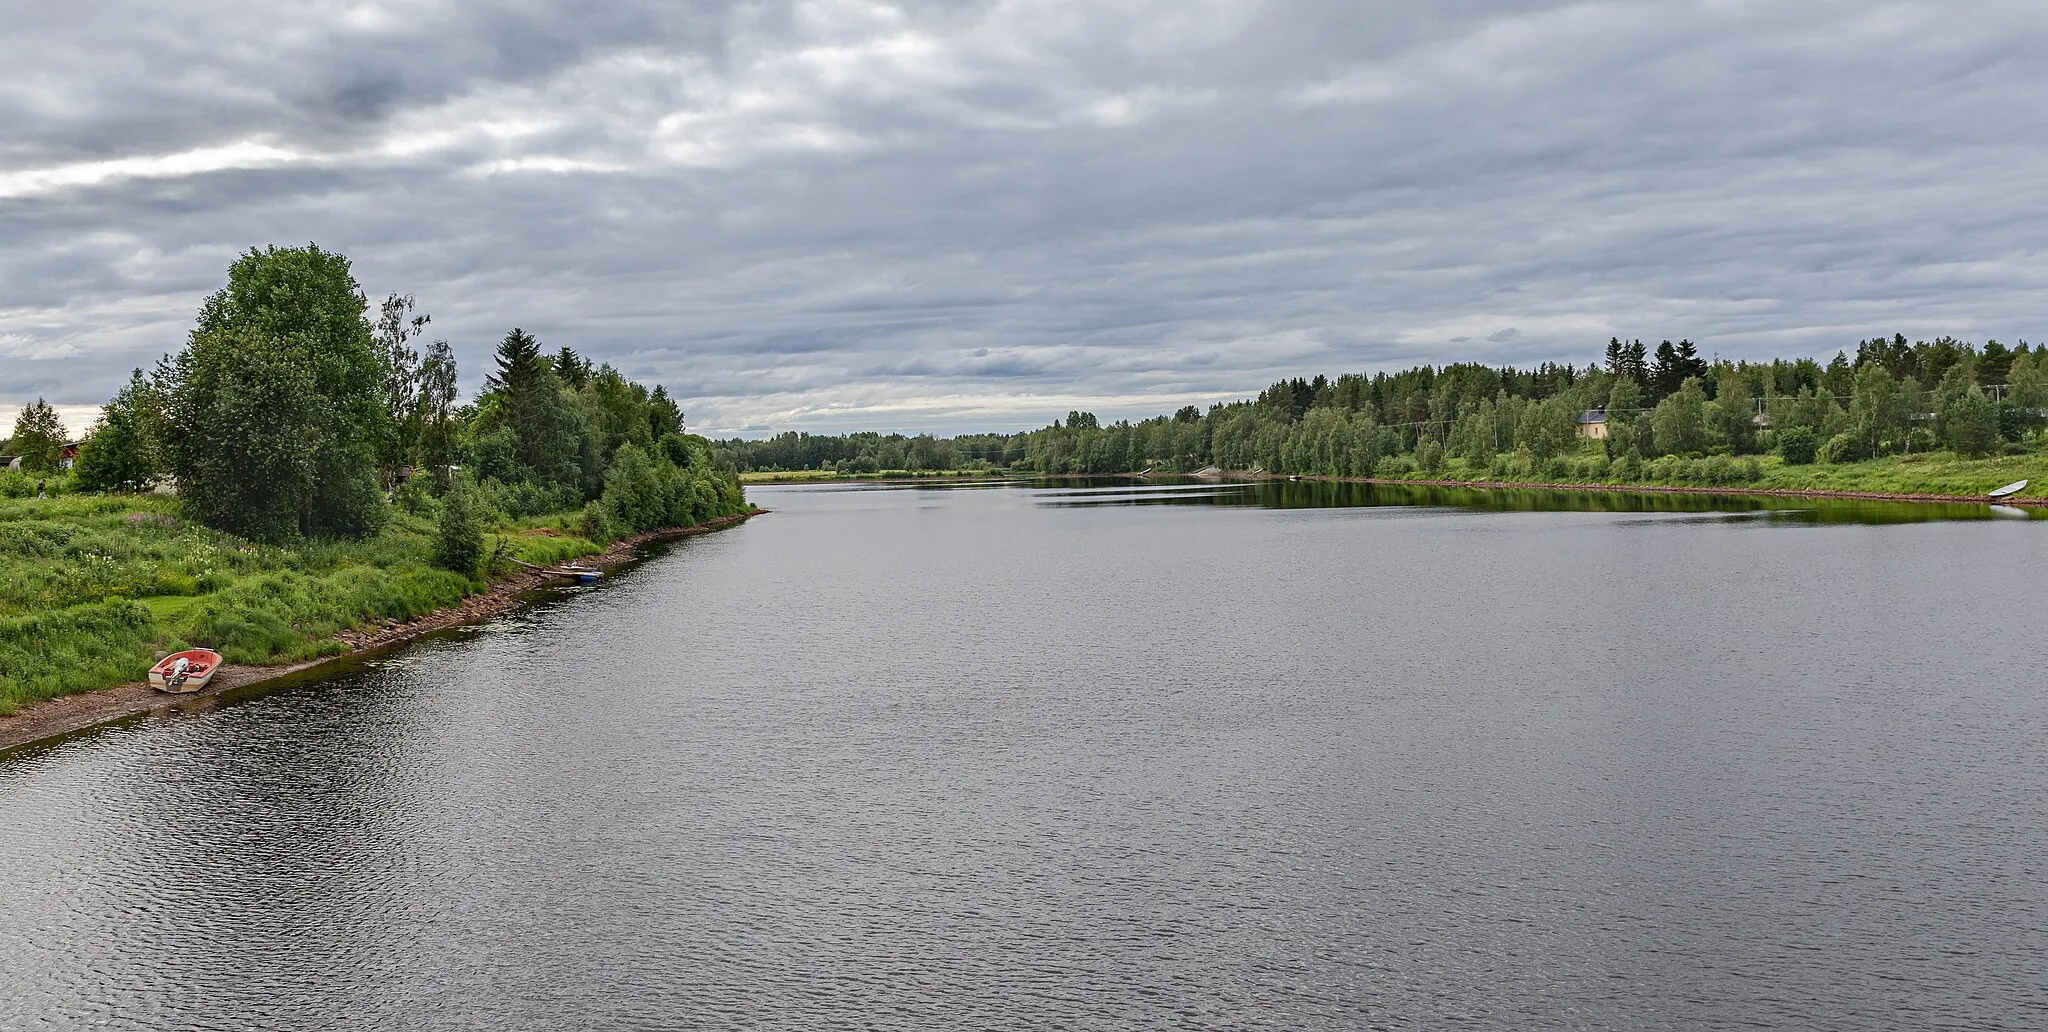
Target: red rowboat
{"x":186,"y":671}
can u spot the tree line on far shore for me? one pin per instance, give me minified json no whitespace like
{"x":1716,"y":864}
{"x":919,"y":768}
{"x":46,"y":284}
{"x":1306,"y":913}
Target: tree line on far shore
{"x":1663,"y":405}
{"x":291,"y":414}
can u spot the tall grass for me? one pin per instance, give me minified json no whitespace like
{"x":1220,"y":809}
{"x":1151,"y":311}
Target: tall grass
{"x":92,"y":586}
{"x":70,"y":650}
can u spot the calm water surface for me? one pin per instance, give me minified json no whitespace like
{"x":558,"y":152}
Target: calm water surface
{"x":1106,"y":756}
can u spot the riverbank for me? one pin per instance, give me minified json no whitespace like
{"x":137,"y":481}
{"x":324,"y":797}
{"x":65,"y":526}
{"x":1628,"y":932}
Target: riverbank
{"x":2028,"y":500}
{"x":1928,"y":477}
{"x":1630,"y":488}
{"x":67,"y":714}
{"x":1919,"y":477}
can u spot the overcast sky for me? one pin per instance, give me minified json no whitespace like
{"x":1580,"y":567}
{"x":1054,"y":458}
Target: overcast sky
{"x":977,"y":215}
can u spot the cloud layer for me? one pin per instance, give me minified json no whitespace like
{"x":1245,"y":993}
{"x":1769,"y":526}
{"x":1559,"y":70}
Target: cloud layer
{"x":959,"y":215}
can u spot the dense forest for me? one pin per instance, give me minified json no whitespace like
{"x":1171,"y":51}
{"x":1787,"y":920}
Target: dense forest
{"x":1618,"y":418}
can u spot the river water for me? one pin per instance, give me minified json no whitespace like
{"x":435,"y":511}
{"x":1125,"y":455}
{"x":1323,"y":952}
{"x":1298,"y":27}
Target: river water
{"x":1108,"y":756}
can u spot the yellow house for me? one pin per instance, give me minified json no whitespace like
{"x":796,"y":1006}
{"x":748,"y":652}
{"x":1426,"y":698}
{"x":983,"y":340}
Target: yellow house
{"x":1593,"y":425}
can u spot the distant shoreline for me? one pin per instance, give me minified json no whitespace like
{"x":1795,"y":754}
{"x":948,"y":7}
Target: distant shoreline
{"x":65,"y":715}
{"x":947,"y":477}
{"x":1764,"y":492}
{"x":1511,"y":485}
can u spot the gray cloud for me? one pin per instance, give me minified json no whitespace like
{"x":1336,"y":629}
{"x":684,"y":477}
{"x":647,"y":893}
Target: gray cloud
{"x":840,"y":214}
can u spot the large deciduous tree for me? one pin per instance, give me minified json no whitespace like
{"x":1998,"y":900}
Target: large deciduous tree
{"x":397,"y":326}
{"x":435,"y":412}
{"x":1969,"y":423}
{"x":1679,"y":423}
{"x":1734,"y":411}
{"x":276,"y":404}
{"x":1880,"y":411}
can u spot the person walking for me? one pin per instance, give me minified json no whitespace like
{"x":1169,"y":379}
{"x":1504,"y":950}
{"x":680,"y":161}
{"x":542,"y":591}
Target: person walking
{"x":40,"y":485}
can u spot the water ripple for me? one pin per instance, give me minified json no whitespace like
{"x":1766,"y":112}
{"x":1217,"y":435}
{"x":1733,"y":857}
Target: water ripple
{"x":923,"y":759}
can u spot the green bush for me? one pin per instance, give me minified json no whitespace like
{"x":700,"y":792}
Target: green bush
{"x":521,"y":500}
{"x":1843,"y":447}
{"x":597,"y":525}
{"x":1797,"y":445}
{"x":1718,"y":470}
{"x":17,"y":484}
{"x":459,"y":538}
{"x":1429,"y":456}
{"x":416,"y":496}
{"x":1522,"y":463}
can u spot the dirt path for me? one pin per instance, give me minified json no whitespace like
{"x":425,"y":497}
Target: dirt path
{"x":66,"y":714}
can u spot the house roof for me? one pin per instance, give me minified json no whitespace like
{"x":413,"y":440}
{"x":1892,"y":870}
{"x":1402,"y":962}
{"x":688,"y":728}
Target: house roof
{"x":1593,"y":416}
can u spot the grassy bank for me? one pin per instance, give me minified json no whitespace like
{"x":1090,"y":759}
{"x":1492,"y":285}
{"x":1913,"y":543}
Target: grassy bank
{"x":91,"y":586}
{"x":1932,"y":473}
{"x":1941,"y":472}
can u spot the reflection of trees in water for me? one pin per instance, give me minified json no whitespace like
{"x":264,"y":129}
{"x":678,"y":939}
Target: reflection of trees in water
{"x":1283,"y":494}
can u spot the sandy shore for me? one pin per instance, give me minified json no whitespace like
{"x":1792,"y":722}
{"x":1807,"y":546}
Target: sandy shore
{"x":71,"y":713}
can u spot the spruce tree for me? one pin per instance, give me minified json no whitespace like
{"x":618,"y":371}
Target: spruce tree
{"x":547,"y":430}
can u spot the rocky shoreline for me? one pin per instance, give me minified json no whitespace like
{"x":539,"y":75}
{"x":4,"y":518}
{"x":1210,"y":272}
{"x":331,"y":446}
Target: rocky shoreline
{"x":55,"y":718}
